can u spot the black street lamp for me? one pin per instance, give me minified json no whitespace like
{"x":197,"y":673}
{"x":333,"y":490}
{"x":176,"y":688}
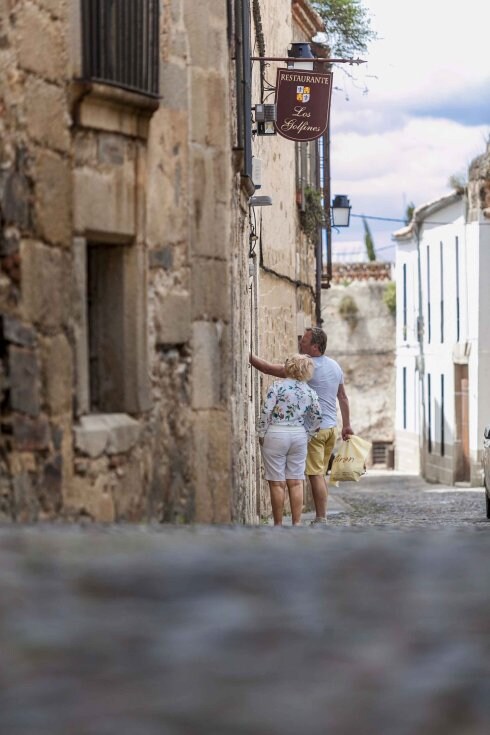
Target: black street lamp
{"x":341,"y":211}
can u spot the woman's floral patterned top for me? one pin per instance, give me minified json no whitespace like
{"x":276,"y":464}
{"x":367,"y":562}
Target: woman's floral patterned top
{"x":290,"y":403}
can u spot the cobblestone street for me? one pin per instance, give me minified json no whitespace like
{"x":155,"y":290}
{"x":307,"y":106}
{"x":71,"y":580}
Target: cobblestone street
{"x":395,"y":500}
{"x":378,"y":623}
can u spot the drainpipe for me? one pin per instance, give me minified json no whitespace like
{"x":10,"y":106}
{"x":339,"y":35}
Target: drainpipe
{"x":243,"y":67}
{"x":420,"y":339}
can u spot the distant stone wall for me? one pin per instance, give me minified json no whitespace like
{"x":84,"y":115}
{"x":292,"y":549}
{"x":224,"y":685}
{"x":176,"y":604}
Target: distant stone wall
{"x":361,"y":337}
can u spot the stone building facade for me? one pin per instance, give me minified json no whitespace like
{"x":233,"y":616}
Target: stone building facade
{"x":283,"y":256}
{"x":129,"y":295}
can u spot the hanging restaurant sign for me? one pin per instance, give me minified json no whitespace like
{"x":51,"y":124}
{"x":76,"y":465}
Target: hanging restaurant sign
{"x":303,"y":103}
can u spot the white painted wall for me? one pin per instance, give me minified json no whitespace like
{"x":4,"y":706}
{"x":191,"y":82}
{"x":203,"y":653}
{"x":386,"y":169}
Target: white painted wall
{"x":440,"y":276}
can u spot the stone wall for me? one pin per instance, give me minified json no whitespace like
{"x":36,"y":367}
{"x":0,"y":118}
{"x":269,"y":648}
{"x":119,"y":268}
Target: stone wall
{"x":87,"y":165}
{"x":284,"y":255}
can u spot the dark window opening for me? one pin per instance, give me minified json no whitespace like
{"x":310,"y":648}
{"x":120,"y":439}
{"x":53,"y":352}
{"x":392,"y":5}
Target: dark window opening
{"x":404,"y":301}
{"x":120,"y":42}
{"x":429,"y":326}
{"x":457,"y":292}
{"x":442,"y":417}
{"x":429,"y":413}
{"x":441,"y":257}
{"x":404,"y":397}
{"x":105,"y":307}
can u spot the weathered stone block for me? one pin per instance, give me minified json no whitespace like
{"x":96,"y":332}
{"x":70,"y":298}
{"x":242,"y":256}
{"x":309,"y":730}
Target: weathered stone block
{"x":173,"y":86}
{"x":110,"y":433}
{"x":42,"y":43}
{"x":173,"y":319}
{"x":56,"y":8}
{"x":114,"y":117}
{"x":92,"y":498}
{"x":24,"y":380}
{"x":210,"y":289}
{"x":198,"y":119}
{"x":218,"y":120}
{"x":16,"y":200}
{"x":212,"y":457}
{"x":127,"y":494}
{"x":161,"y":258}
{"x":9,"y":241}
{"x":42,"y":267}
{"x":17,"y":332}
{"x":54,"y":197}
{"x":58,"y":374}
{"x":206,"y":364}
{"x":168,"y":196}
{"x":47,"y":114}
{"x":211,"y":222}
{"x":30,"y":435}
{"x":105,"y":201}
{"x":124,"y":433}
{"x":50,"y":489}
{"x":25,"y":502}
{"x":91,"y":436}
{"x":111,"y":149}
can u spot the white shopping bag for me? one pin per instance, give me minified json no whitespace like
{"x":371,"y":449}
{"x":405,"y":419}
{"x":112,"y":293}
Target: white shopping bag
{"x":350,"y":461}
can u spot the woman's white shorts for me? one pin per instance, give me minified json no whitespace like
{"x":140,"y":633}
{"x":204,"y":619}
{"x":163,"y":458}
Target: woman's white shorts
{"x":284,"y":453}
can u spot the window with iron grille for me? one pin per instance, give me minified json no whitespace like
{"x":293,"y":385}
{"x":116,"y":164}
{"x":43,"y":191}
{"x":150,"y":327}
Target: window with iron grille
{"x":120,"y":43}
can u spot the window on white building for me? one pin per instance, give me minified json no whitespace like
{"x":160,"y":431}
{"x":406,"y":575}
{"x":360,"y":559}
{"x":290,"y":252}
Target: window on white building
{"x":457,"y":291}
{"x":429,"y":325}
{"x":441,"y":260}
{"x":429,"y":413}
{"x":442,"y":417}
{"x":404,"y":301}
{"x":404,"y":397}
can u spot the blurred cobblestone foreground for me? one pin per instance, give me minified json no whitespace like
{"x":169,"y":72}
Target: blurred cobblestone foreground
{"x":362,"y":628}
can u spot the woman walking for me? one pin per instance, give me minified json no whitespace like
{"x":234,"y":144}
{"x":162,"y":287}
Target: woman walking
{"x":290,"y":415}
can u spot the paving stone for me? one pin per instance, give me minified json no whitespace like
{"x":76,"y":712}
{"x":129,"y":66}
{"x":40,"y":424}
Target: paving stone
{"x":377,"y":626}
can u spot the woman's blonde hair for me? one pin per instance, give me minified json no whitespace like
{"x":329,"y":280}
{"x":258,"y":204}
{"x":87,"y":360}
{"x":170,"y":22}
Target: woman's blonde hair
{"x":299,"y":367}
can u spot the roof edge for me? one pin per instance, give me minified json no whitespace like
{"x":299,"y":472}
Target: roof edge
{"x":425,"y":210}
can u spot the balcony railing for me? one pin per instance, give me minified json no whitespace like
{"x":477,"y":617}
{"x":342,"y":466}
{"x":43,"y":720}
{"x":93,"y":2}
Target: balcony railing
{"x":120,"y":43}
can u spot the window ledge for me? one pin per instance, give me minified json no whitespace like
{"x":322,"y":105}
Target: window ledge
{"x":106,"y":107}
{"x":109,"y":433}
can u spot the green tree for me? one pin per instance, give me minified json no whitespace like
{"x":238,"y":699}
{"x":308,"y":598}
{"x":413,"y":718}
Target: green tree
{"x":347,"y":24}
{"x":409,"y":213}
{"x":368,"y":241}
{"x":458,"y":182}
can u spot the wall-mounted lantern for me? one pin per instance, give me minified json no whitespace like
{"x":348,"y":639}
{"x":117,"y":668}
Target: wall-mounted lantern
{"x":341,"y":211}
{"x":303,"y":58}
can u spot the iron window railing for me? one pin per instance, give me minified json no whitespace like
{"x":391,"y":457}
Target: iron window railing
{"x":120,"y":43}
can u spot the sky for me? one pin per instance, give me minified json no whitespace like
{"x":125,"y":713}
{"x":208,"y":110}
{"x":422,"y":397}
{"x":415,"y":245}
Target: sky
{"x":415,"y":114}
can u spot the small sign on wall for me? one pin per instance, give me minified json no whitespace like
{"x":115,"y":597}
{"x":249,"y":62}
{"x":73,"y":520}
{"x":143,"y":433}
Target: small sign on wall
{"x":303,"y":103}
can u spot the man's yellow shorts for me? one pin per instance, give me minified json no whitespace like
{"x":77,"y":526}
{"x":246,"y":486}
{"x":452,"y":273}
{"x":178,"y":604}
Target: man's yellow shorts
{"x":319,"y":450}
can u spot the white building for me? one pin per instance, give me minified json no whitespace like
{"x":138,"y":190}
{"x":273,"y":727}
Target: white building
{"x":443,"y":341}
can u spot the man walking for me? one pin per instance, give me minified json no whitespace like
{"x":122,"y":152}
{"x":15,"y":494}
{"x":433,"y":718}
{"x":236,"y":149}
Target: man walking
{"x":328,"y":382}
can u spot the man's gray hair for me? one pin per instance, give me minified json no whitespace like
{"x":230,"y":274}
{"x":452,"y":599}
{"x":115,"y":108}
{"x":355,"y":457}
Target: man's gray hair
{"x":318,"y":338}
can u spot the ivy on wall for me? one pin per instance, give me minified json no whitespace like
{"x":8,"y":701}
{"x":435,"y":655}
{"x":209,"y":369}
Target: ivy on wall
{"x":349,"y":311}
{"x":389,"y":297}
{"x":313,"y":215}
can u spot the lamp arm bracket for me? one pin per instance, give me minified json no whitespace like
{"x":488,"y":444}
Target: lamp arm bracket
{"x":316,"y":60}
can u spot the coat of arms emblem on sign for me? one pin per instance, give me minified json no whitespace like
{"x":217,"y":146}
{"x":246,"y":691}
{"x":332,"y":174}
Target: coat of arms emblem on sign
{"x":302,"y":93}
